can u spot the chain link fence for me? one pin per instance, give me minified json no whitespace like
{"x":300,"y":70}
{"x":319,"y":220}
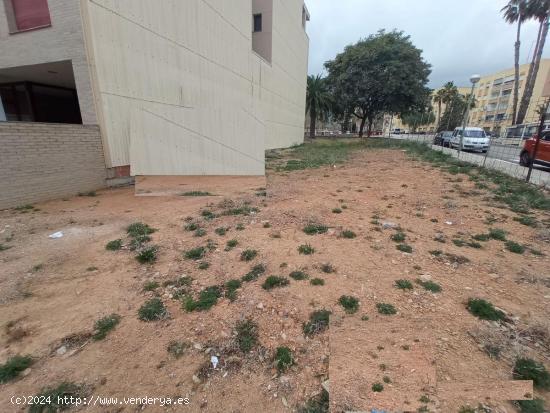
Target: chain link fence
{"x":510,"y":150}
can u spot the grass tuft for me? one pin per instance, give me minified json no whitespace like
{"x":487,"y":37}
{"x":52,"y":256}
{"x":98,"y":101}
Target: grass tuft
{"x":514,"y":247}
{"x":328,"y":268}
{"x":13,"y":367}
{"x":377,"y":387}
{"x":152,"y":310}
{"x":206,"y":300}
{"x":306,"y":249}
{"x":498,"y":234}
{"x":283,"y":358}
{"x":314,"y":229}
{"x":404,"y":284}
{"x":317,"y":281}
{"x":104,"y":325}
{"x":53,"y":398}
{"x":247,"y":335}
{"x":404,"y":248}
{"x":386,"y":309}
{"x":399,"y":237}
{"x":529,"y":369}
{"x":138,"y":228}
{"x":254,"y":273}
{"x":429,"y":285}
{"x":348,"y":234}
{"x":196,"y":193}
{"x":298,"y":275}
{"x":248,"y":255}
{"x":195,"y":253}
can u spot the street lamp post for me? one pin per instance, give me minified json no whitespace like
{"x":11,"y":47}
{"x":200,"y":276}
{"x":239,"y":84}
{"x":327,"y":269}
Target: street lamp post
{"x":474,"y":79}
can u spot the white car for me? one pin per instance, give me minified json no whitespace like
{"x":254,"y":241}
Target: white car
{"x":474,"y":139}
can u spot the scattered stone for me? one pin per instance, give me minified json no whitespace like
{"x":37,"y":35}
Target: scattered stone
{"x":61,"y":350}
{"x":196,"y":379}
{"x":389,"y":225}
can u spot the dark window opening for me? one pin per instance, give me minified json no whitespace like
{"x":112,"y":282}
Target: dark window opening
{"x":35,"y":102}
{"x":29,"y":14}
{"x":257,"y":23}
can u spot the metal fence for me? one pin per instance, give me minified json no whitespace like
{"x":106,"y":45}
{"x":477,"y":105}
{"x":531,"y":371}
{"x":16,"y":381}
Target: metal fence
{"x":504,"y":150}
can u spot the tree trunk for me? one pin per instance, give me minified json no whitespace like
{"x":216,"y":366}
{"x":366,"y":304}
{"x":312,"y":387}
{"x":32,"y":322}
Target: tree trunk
{"x":531,"y":78}
{"x":438,"y":114}
{"x":312,"y":119}
{"x":362,"y":127}
{"x":369,"y":130}
{"x":538,"y":58}
{"x":516,"y":73}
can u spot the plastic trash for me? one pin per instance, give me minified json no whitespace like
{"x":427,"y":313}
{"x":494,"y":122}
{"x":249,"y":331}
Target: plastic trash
{"x":449,"y":222}
{"x":214,"y":361}
{"x":56,"y":235}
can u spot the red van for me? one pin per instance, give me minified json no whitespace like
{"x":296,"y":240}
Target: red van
{"x":543,"y":151}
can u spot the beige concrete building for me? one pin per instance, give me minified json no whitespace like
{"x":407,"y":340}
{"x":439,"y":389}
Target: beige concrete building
{"x":192,"y":88}
{"x":494,"y":95}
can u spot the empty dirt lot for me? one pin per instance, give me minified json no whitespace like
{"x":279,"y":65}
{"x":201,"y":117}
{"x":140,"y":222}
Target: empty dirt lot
{"x":411,"y":242}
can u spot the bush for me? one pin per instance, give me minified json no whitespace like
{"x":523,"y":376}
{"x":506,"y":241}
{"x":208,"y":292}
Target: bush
{"x":15,"y":365}
{"x":404,"y":284}
{"x":484,"y":310}
{"x":404,"y":248}
{"x":200,"y":232}
{"x":195,"y":253}
{"x":247,"y":335}
{"x":193,"y":226}
{"x":275,"y":282}
{"x":204,"y":265}
{"x":531,"y":406}
{"x":248,"y":255}
{"x":231,"y":288}
{"x":151,"y":286}
{"x":318,"y":322}
{"x":221,"y":231}
{"x":350,"y":304}
{"x":283,"y":358}
{"x":152,"y":310}
{"x":207,"y":299}
{"x":498,"y":234}
{"x":386,"y":309}
{"x":399,"y":237}
{"x":377,"y":387}
{"x":313,"y":229}
{"x":138,"y":228}
{"x":336,"y":211}
{"x":298,"y":275}
{"x":147,"y":255}
{"x":232,"y":243}
{"x":104,"y":325}
{"x":317,"y":281}
{"x":114,"y":245}
{"x":529,"y":369}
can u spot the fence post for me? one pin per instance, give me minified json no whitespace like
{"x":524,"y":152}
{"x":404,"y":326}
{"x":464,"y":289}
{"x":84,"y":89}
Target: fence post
{"x":542,"y":112}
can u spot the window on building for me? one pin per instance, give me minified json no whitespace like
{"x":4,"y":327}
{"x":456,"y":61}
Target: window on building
{"x":257,"y":23}
{"x":27,"y":14}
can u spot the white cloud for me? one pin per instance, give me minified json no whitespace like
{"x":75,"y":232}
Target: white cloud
{"x":458,"y":37}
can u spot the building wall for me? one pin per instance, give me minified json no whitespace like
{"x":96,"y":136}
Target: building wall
{"x":492,"y":102}
{"x":182,"y":93}
{"x":42,"y":161}
{"x":62,"y":41}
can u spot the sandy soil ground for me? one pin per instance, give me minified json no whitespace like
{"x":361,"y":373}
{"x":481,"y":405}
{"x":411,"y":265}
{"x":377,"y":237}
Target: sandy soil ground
{"x":53,"y":290}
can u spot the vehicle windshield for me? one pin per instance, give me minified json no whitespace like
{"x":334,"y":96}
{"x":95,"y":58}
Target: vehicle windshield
{"x":474,"y":134}
{"x":447,"y":134}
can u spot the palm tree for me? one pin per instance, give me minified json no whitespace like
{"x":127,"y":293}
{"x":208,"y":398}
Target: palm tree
{"x":516,"y":12}
{"x":539,"y":10}
{"x":318,"y":101}
{"x":438,"y":99}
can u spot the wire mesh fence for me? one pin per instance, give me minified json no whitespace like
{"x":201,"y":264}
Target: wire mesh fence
{"x":509,"y":149}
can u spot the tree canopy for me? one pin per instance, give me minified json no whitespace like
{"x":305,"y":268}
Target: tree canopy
{"x":382,"y":73}
{"x":318,"y":101}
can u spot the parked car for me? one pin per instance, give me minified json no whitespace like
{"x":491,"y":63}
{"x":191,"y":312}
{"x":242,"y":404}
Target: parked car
{"x":443,"y":138}
{"x":397,"y":131}
{"x":474,"y":139}
{"x":543,"y":151}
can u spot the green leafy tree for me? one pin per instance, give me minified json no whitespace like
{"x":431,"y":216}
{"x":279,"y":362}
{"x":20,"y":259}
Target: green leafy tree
{"x":417,"y":119}
{"x":454,"y":112}
{"x":318,"y":101}
{"x":382,"y":73}
{"x":540,"y":11}
{"x":515,"y":12}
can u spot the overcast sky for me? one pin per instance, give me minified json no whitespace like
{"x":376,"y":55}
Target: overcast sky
{"x":458,"y":37}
